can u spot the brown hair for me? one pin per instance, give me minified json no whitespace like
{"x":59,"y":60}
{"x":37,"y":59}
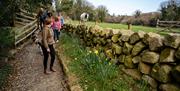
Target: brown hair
{"x":47,"y":21}
{"x":56,"y":18}
{"x":49,"y":14}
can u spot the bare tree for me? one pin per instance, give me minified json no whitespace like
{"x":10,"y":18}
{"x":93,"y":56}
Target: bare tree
{"x":137,"y":13}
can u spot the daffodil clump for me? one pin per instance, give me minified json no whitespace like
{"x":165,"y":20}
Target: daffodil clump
{"x":95,"y":71}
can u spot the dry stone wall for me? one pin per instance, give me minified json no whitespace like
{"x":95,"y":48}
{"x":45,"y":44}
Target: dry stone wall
{"x":146,"y":56}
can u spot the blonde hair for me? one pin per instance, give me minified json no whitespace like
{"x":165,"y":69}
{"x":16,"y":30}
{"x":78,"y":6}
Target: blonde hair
{"x":40,"y":11}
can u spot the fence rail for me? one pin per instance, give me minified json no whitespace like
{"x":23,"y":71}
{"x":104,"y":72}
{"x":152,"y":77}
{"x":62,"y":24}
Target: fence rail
{"x":26,"y":12}
{"x":25,"y":16}
{"x":28,"y":21}
{"x":169,"y":24}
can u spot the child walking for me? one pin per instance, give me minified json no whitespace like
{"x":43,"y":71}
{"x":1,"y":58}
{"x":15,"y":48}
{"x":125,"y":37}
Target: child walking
{"x":56,"y":26}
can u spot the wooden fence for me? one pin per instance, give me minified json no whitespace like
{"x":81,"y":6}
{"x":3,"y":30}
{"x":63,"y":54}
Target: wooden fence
{"x":171,"y":24}
{"x":29,"y":23}
{"x":168,"y":26}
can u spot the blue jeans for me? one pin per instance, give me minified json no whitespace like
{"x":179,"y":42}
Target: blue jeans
{"x":56,"y":34}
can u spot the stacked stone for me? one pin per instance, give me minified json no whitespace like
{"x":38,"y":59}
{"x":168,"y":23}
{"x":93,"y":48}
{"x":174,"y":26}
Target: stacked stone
{"x":146,"y":56}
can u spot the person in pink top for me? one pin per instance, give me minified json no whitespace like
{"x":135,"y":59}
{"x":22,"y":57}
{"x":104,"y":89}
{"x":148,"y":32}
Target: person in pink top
{"x":56,"y":26}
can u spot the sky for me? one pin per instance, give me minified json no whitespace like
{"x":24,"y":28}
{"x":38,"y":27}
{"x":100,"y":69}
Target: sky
{"x":127,"y":7}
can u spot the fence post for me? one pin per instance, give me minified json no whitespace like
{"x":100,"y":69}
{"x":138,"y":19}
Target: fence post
{"x":14,"y":40}
{"x":157,"y":23}
{"x":129,"y":26}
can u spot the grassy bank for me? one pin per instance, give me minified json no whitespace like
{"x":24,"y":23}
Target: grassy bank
{"x":95,"y":72}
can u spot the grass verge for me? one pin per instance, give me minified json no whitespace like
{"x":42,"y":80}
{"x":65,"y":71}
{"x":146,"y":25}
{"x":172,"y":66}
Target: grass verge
{"x":94,"y":71}
{"x":135,"y":28}
{"x":5,"y":70}
{"x":6,"y":40}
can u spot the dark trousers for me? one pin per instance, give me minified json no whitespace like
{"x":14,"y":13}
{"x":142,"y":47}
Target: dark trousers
{"x":46,"y":56}
{"x":41,"y":25}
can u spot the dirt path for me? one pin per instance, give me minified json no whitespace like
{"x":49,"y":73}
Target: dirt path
{"x":28,"y":73}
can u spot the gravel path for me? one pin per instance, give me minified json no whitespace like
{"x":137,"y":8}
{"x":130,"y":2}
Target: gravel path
{"x":28,"y":73}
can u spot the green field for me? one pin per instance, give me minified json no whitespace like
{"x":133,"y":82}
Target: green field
{"x":123,"y":26}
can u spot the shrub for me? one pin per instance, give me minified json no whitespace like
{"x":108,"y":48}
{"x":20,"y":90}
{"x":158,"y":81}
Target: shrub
{"x":153,"y":22}
{"x":5,"y":70}
{"x":6,"y":40}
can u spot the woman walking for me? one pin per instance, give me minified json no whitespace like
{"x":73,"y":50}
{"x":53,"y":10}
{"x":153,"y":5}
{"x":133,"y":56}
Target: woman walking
{"x":48,"y":45}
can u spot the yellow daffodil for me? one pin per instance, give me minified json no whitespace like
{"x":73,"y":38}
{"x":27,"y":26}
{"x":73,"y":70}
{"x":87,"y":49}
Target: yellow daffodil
{"x":96,"y":51}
